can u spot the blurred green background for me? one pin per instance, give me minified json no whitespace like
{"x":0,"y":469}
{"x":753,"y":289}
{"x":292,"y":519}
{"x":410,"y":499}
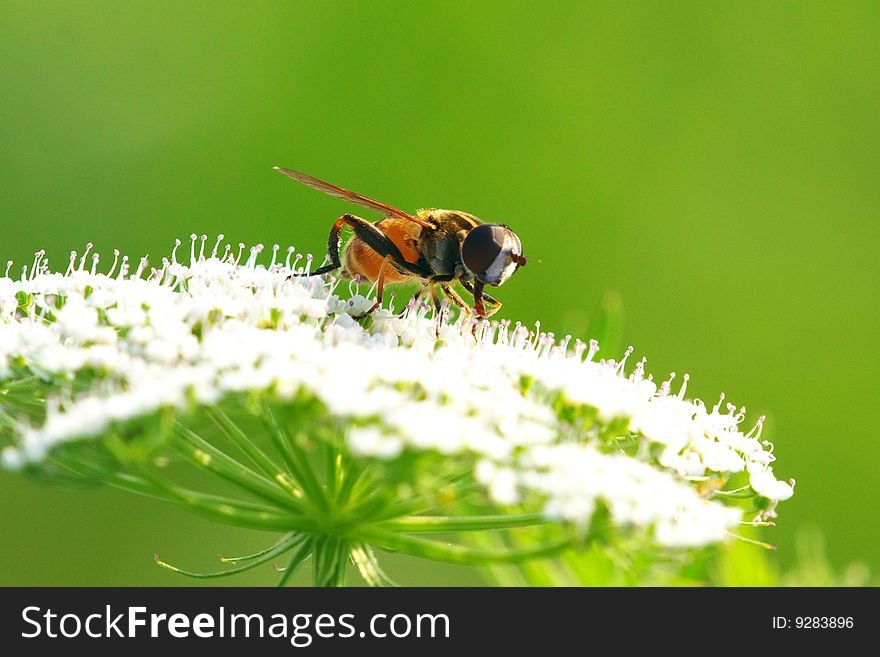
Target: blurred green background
{"x":715,"y":164}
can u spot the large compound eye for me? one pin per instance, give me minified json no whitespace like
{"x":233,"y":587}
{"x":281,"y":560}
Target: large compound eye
{"x":492,"y":252}
{"x":482,"y":246}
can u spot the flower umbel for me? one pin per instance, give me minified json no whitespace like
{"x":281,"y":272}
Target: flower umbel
{"x":350,"y":437}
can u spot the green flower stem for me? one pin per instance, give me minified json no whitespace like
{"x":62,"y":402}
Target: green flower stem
{"x":309,"y":481}
{"x":350,"y":472}
{"x":752,"y":541}
{"x":237,"y":436}
{"x":438,"y":524}
{"x":459,"y":554}
{"x":343,"y":559}
{"x":368,"y":566}
{"x":289,"y":541}
{"x":249,"y":557}
{"x":296,"y":461}
{"x":220,"y":509}
{"x":281,"y":440}
{"x":296,"y":561}
{"x":741,"y":493}
{"x":331,"y":561}
{"x":332,"y":468}
{"x":207,"y":457}
{"x":377,"y":508}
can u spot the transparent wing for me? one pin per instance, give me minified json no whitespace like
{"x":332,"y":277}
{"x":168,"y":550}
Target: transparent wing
{"x":351,"y":197}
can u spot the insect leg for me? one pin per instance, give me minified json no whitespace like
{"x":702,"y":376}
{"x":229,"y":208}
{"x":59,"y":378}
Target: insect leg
{"x":454,"y":297}
{"x":380,"y":287}
{"x":477,"y":290}
{"x":432,"y":284}
{"x":332,"y":251}
{"x":372,"y":237}
{"x":440,"y":278}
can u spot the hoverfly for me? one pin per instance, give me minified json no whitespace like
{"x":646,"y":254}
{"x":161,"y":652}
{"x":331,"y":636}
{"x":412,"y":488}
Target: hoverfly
{"x":436,"y":248}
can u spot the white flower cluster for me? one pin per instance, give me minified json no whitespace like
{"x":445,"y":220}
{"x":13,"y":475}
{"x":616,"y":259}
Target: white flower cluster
{"x":163,"y":337}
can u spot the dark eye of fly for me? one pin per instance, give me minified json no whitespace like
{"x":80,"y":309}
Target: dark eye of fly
{"x":481,"y":246}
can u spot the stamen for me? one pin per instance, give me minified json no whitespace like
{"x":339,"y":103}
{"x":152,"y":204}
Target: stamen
{"x":216,"y":245}
{"x":638,"y":373}
{"x":82,"y":262}
{"x":192,"y":248}
{"x":594,"y":349}
{"x":9,"y":264}
{"x":95,"y":259}
{"x":173,"y":252}
{"x":71,"y":265}
{"x":620,"y":371}
{"x":549,"y":343}
{"x":520,"y":338}
{"x":255,"y":254}
{"x":666,"y":385}
{"x":332,"y":283}
{"x":143,"y":264}
{"x":444,"y":310}
{"x":564,"y":344}
{"x":202,"y":250}
{"x":290,"y":251}
{"x":756,"y":430}
{"x":491,"y":330}
{"x":37,"y":257}
{"x":166,"y":263}
{"x":123,"y":268}
{"x":684,"y":385}
{"x":116,"y":259}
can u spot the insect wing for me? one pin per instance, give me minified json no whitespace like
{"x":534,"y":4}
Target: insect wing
{"x":351,"y":197}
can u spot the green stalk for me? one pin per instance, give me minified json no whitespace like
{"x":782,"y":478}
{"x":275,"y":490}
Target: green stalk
{"x":249,"y":557}
{"x":332,"y":466}
{"x":205,"y":456}
{"x":289,"y":541}
{"x":350,"y":472}
{"x":459,"y":554}
{"x":280,"y":438}
{"x":295,"y":461}
{"x":438,"y":524}
{"x":368,"y":566}
{"x":237,"y":436}
{"x":331,"y":561}
{"x":220,"y":509}
{"x":296,"y":561}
